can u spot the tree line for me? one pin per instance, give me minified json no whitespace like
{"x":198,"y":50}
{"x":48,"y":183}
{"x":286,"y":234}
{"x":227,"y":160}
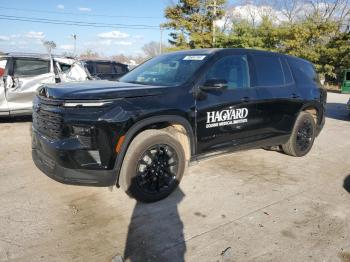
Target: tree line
{"x":316,"y":30}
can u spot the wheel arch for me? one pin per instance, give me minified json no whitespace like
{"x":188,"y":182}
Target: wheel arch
{"x":155,"y":122}
{"x":314,"y":110}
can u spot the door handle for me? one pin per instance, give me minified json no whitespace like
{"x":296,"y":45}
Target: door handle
{"x":245,"y":99}
{"x":294,"y":96}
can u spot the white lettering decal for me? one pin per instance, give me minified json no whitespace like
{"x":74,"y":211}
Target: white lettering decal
{"x":227,"y":117}
{"x":194,"y":57}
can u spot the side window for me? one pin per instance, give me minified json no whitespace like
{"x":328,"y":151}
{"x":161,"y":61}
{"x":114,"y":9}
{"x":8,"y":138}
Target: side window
{"x":28,"y":67}
{"x":288,"y":79}
{"x":103,"y":68}
{"x":90,"y":67}
{"x":268,"y":70}
{"x":303,"y":71}
{"x":234,"y":69}
{"x":119,"y":69}
{"x":65,"y":67}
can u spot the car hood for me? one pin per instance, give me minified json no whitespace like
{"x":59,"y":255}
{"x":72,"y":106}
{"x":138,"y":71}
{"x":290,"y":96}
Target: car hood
{"x":99,"y":90}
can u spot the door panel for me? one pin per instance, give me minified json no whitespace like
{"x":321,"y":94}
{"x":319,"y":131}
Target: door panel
{"x":28,"y":75}
{"x":4,"y":110}
{"x":20,"y":95}
{"x":3,"y":102}
{"x":278,"y":98}
{"x":227,"y":117}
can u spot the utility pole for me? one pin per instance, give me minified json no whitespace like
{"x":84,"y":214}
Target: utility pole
{"x":161,"y":40}
{"x":214,"y":29}
{"x":75,"y":44}
{"x":214,"y":6}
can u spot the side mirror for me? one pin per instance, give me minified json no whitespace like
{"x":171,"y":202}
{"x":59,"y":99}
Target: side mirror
{"x":214,"y":84}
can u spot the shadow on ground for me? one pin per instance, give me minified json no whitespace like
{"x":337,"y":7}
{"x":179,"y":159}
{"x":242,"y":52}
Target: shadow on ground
{"x":15,"y":119}
{"x":337,"y":111}
{"x":346,"y":184}
{"x":156,"y":231}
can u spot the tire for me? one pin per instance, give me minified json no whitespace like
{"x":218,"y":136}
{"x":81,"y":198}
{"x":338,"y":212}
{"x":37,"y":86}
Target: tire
{"x":153,"y":165}
{"x":302,"y":137}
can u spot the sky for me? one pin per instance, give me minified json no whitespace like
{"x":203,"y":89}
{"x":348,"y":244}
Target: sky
{"x":25,"y":36}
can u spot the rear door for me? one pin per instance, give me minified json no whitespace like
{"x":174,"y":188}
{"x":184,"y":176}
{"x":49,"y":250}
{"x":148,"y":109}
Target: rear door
{"x":27,"y":75}
{"x":278,"y":98}
{"x":227,"y":117}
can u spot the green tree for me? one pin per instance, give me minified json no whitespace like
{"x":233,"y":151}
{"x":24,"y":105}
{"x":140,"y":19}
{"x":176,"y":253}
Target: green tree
{"x":192,"y":22}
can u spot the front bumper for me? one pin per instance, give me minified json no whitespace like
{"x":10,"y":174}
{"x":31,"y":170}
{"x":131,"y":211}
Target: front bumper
{"x":52,"y":161}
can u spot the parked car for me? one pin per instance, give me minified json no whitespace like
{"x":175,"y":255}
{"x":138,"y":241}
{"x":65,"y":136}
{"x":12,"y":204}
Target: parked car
{"x":105,"y":69}
{"x":22,"y":74}
{"x":345,"y":85}
{"x":141,"y":132}
{"x":348,"y":106}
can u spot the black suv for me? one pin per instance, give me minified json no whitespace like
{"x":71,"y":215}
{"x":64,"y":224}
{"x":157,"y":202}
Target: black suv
{"x":141,"y":132}
{"x":105,"y":69}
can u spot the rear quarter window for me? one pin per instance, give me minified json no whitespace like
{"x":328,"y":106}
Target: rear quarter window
{"x":268,"y":70}
{"x":304,"y":72}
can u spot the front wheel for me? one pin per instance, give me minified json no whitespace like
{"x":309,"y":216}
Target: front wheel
{"x":153,"y":166}
{"x":302,"y":137}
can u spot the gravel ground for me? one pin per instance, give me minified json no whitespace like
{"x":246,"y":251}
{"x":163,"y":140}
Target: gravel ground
{"x":255,"y":205}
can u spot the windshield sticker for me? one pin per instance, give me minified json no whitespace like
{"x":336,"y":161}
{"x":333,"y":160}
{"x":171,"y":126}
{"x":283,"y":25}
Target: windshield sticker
{"x":194,"y":57}
{"x":227,"y":117}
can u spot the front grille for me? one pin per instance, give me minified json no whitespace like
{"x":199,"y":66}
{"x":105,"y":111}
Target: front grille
{"x":46,"y":120}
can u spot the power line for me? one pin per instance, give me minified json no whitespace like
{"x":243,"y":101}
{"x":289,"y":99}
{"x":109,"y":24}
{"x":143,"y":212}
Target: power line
{"x":75,"y":23}
{"x":74,"y":13}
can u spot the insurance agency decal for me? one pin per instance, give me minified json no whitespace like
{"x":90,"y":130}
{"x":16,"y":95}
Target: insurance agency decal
{"x":227,"y":117}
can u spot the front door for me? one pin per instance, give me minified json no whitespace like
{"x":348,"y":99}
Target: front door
{"x":26,"y":76}
{"x":226,"y":117}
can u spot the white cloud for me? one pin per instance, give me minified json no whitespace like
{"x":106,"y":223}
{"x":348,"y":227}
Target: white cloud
{"x":4,"y":38}
{"x":60,"y":6}
{"x":110,"y":42}
{"x":84,"y":9}
{"x":113,"y":35}
{"x":123,"y":43}
{"x":35,"y":35}
{"x":256,"y":13}
{"x":66,"y":47}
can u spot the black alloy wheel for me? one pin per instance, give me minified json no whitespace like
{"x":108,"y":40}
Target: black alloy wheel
{"x":304,"y":135}
{"x":157,"y":169}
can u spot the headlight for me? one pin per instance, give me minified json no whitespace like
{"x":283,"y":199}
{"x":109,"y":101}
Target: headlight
{"x":86,"y":104}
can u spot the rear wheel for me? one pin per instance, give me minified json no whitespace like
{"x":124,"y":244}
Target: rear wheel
{"x":153,"y":166}
{"x":302,"y":137}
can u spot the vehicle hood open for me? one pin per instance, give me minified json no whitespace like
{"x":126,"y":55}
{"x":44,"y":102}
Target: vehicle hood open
{"x":99,"y":90}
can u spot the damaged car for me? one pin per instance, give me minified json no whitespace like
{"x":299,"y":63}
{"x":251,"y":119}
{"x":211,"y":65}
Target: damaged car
{"x":22,"y":74}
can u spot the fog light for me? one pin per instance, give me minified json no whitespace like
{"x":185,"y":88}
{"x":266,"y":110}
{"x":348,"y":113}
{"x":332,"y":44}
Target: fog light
{"x":82,"y":131}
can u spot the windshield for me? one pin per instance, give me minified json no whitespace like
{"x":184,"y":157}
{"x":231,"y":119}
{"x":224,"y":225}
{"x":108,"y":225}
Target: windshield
{"x":167,"y":70}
